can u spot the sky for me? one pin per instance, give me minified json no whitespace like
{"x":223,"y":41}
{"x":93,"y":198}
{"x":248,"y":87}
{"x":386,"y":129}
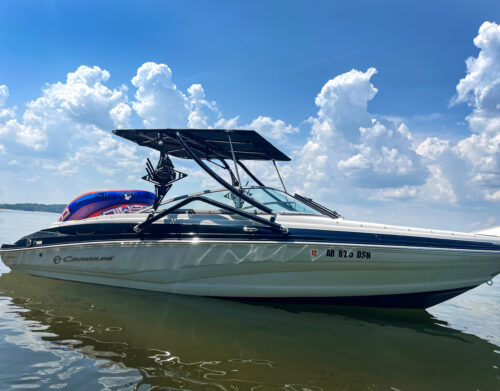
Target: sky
{"x":389,"y":110}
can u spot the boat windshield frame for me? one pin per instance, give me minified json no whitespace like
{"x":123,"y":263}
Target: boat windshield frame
{"x":171,"y":201}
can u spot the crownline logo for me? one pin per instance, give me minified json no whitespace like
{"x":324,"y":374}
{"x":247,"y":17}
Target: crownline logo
{"x":57,"y":259}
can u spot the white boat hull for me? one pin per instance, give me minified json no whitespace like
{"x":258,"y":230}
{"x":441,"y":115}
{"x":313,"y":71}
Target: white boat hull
{"x":260,"y":269}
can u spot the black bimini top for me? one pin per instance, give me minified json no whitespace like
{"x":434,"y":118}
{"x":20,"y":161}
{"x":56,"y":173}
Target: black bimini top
{"x":208,"y":143}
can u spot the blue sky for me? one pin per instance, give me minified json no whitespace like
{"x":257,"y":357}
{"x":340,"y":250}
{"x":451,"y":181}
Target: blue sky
{"x":267,"y":60}
{"x":278,"y":53}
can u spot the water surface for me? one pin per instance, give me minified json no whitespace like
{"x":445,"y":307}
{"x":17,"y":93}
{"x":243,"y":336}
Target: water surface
{"x":64,"y":335}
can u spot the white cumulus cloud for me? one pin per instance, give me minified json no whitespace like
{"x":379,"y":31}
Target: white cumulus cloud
{"x":273,"y":129}
{"x":158,"y":100}
{"x":203,"y":113}
{"x":4,"y":93}
{"x":66,"y":130}
{"x":472,"y":164}
{"x":83,"y":99}
{"x":343,"y":101}
{"x":120,"y":114}
{"x":385,"y":157}
{"x":349,"y":147}
{"x":6,"y":114}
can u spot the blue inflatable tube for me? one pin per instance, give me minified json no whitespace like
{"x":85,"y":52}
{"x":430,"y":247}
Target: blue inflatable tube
{"x":99,"y":203}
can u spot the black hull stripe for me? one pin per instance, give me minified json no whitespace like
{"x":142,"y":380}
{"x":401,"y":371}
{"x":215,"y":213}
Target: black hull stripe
{"x":117,"y":232}
{"x":188,"y":241}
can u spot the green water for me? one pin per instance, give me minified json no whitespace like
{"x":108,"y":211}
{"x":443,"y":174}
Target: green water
{"x":64,"y":335}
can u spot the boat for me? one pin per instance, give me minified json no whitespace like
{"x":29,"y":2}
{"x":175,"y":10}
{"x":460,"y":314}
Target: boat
{"x":250,"y":242}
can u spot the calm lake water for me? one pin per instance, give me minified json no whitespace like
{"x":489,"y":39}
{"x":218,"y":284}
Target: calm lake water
{"x":64,"y":335}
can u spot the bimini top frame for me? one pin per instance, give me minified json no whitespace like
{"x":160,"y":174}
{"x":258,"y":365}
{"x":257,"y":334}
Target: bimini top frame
{"x":200,"y":145}
{"x":211,"y":144}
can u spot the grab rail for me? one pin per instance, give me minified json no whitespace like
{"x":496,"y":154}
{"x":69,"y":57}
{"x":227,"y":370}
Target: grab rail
{"x":318,"y":207}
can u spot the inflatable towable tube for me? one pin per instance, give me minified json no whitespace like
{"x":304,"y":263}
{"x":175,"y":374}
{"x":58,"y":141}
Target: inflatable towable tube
{"x":99,"y":203}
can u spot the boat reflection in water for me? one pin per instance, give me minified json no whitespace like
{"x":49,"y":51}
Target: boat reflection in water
{"x":84,"y":336}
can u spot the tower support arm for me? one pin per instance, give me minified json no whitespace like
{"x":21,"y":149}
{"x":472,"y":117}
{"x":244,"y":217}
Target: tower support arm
{"x":214,"y":175}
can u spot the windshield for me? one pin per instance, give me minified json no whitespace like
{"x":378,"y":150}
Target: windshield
{"x":274,"y":199}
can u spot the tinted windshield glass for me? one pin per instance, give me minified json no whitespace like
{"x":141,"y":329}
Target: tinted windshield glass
{"x":273,"y":199}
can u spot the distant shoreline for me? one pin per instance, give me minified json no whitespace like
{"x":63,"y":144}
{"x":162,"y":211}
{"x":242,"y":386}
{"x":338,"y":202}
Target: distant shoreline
{"x":32,"y":207}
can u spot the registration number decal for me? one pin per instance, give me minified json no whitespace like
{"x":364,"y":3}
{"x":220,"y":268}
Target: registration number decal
{"x":345,"y":254}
